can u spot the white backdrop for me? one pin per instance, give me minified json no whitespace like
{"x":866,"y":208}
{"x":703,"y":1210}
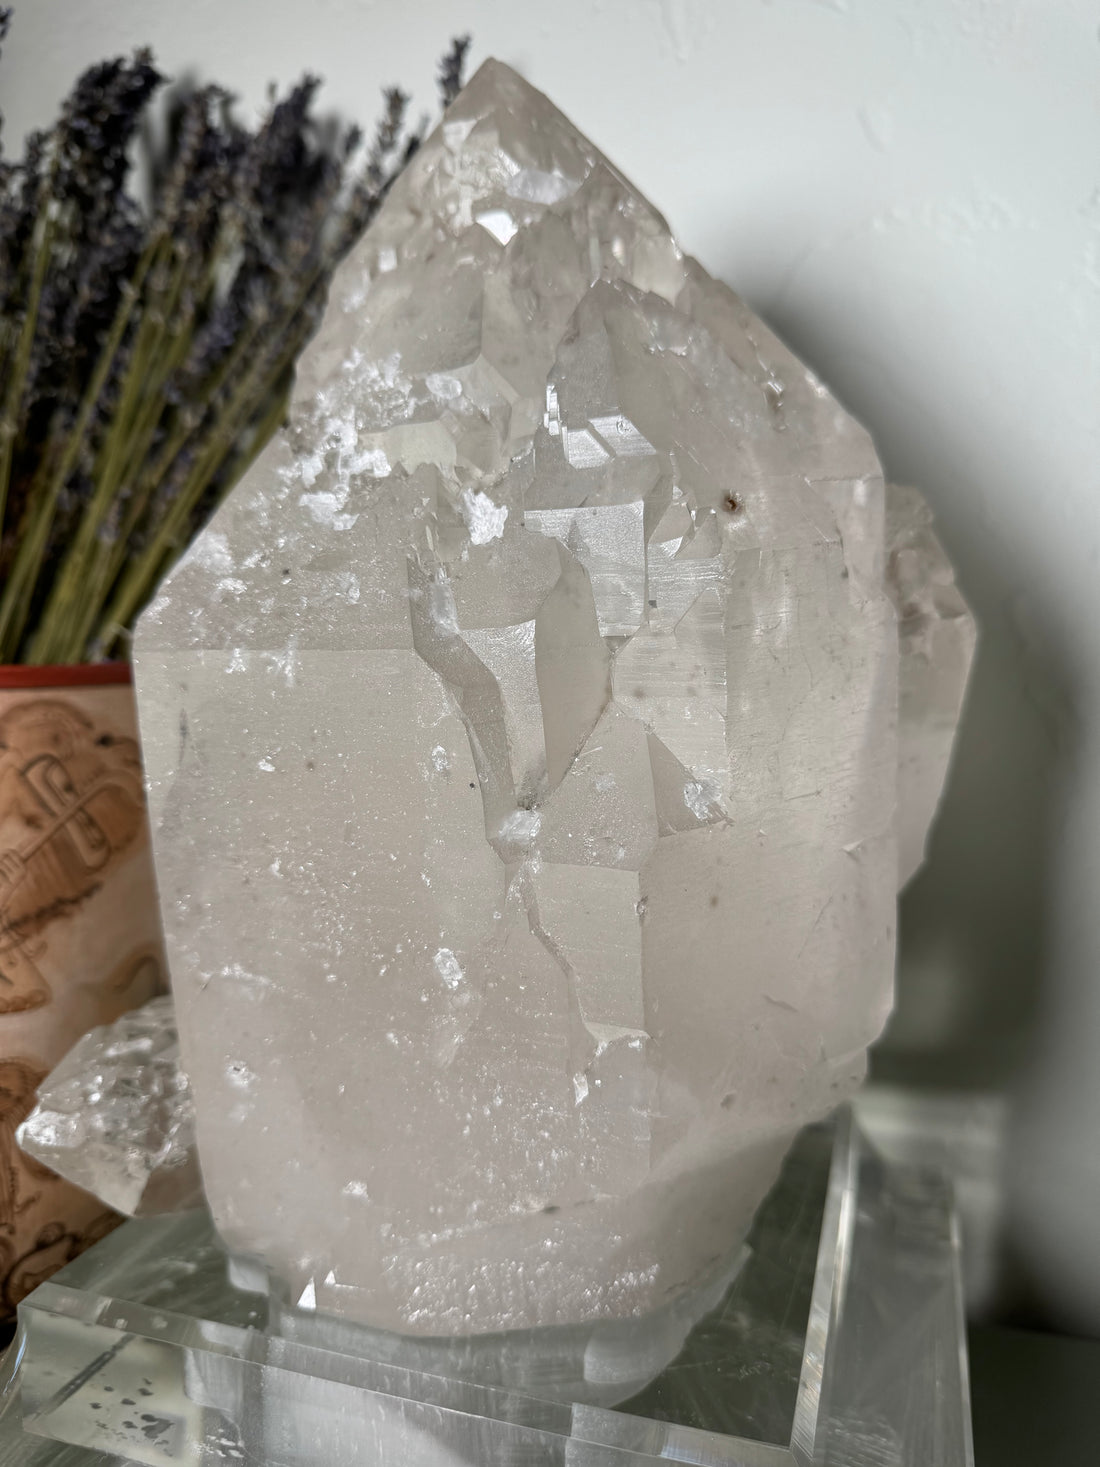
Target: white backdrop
{"x":909,"y":190}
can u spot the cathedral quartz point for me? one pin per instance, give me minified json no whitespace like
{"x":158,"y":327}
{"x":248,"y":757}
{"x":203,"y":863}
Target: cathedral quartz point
{"x":523,"y":758}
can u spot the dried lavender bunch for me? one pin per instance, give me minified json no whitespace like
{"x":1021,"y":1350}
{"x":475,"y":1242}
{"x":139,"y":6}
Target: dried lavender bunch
{"x":146,"y":354}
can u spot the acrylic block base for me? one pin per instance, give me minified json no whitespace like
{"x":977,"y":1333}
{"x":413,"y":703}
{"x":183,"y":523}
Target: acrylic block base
{"x":835,"y":1336}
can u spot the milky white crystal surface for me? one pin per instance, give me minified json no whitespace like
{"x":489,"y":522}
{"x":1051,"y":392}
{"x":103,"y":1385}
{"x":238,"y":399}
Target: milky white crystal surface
{"x":522,"y":749}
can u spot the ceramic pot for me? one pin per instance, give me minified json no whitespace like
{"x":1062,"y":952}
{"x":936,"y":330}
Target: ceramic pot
{"x":79,"y":926}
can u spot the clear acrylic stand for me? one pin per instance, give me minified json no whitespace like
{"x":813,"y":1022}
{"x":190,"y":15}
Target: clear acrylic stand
{"x":835,"y":1336}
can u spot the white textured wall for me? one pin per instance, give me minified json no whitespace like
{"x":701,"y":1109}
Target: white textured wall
{"x":910,"y":191}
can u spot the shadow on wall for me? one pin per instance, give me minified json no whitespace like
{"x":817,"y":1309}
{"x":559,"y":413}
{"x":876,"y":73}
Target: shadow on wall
{"x":975,"y":922}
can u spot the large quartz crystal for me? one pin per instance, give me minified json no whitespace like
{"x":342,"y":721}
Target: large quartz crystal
{"x":522,"y":747}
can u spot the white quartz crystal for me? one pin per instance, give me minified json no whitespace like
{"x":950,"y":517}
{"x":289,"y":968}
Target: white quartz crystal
{"x":116,"y":1116}
{"x":522,"y":749}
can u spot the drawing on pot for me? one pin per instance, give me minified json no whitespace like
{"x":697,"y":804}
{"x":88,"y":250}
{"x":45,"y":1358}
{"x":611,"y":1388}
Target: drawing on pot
{"x":26,"y":1185}
{"x":19,"y":1079}
{"x":70,"y":804}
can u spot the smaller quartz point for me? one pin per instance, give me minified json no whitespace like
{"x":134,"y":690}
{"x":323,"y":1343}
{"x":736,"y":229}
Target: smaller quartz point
{"x":116,"y":1117}
{"x":936,"y":640}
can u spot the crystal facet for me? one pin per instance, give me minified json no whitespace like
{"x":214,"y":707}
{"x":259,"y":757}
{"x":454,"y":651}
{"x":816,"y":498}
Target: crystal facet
{"x":116,"y":1116}
{"x":936,"y":637}
{"x":522,"y":749}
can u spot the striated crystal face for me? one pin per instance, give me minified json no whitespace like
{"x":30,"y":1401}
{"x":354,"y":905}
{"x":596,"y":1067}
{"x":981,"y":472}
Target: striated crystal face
{"x":522,"y":747}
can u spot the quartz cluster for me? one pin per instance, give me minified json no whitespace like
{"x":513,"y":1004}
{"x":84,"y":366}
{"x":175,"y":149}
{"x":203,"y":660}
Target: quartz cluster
{"x":523,"y":758}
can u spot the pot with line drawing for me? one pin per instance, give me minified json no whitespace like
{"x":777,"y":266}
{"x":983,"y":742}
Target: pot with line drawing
{"x":79,"y":929}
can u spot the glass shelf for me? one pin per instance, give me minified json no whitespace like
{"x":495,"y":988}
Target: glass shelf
{"x":835,"y":1335}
